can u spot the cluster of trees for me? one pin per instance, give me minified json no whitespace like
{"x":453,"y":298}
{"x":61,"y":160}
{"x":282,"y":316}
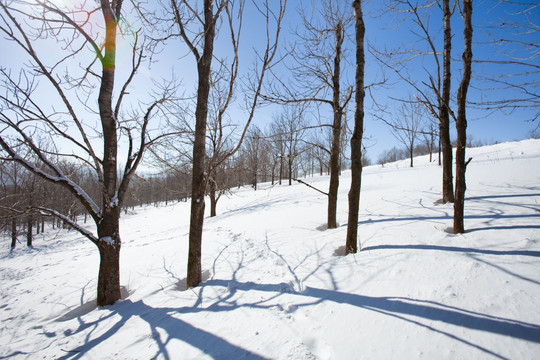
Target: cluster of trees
{"x":284,"y":152}
{"x":77,"y":122}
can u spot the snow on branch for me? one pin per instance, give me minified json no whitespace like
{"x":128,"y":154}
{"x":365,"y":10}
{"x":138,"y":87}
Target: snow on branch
{"x":60,"y":178}
{"x":86,"y":233}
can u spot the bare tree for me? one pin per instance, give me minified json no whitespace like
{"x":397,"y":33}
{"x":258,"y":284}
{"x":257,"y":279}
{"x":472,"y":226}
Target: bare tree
{"x":461,"y":121}
{"x":253,"y":151}
{"x":317,"y":79}
{"x":203,"y":24}
{"x":31,"y":115}
{"x":406,"y":126}
{"x":429,"y":135}
{"x":288,"y":129}
{"x":351,"y":244}
{"x":434,"y":91}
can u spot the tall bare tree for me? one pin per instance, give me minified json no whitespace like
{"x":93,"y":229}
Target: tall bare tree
{"x":434,"y":90}
{"x":461,"y":121}
{"x":351,"y":245}
{"x":406,"y":126}
{"x":317,"y":78}
{"x":443,"y":102}
{"x":288,"y":127}
{"x":51,"y":100}
{"x":190,"y":19}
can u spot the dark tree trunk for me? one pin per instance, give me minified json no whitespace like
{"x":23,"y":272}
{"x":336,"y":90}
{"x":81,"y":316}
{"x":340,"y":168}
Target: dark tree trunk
{"x":461,"y":121}
{"x":109,"y":245}
{"x":444,"y":118}
{"x":290,"y":163}
{"x":254,"y":176}
{"x":108,"y":291}
{"x":212,"y":196}
{"x":440,"y":149}
{"x":334,"y":177}
{"x":336,"y":133}
{"x":29,"y":229}
{"x":351,"y":245}
{"x":280,"y":169}
{"x":13,"y":233}
{"x":109,"y":273}
{"x":198,"y":187}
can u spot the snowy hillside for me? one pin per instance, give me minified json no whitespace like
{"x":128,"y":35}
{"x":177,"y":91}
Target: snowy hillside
{"x":275,"y":283}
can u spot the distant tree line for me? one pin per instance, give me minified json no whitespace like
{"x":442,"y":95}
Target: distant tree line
{"x":426,"y":147}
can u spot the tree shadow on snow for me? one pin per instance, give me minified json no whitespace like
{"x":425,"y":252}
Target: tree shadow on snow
{"x":426,"y":314}
{"x":410,"y":310}
{"x":160,"y":318}
{"x":494,"y":213}
{"x":489,"y":218}
{"x":454,"y":249}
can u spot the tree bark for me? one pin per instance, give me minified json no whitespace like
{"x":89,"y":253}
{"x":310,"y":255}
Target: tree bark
{"x":109,"y":271}
{"x":351,"y":245}
{"x":336,"y":133}
{"x":444,"y":118}
{"x":198,"y":187}
{"x":213,"y":197}
{"x":290,"y":164}
{"x":461,"y":121}
{"x":30,"y":228}
{"x":13,"y":233}
{"x":108,"y":228}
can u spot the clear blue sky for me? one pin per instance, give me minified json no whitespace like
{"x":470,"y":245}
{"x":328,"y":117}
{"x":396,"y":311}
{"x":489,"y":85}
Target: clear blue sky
{"x":390,"y":31}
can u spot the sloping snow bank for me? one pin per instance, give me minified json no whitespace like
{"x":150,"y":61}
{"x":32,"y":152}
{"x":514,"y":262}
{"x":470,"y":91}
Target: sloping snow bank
{"x":277,"y":287}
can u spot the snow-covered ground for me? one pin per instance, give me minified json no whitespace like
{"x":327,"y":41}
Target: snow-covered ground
{"x":277,"y":287}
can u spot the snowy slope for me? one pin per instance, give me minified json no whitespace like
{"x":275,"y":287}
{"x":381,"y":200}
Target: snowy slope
{"x":277,"y":287}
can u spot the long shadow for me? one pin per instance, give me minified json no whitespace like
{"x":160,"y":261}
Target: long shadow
{"x":509,"y":227}
{"x":210,"y":344}
{"x":454,"y":249}
{"x":410,"y":310}
{"x":486,"y":197}
{"x":447,"y":218}
{"x":426,"y":218}
{"x":406,"y":309}
{"x":399,"y":305}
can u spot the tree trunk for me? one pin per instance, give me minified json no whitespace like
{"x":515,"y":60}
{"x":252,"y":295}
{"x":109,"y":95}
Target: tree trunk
{"x":336,"y":133}
{"x":440,"y":149}
{"x":13,"y":233}
{"x":109,"y":244}
{"x":334,"y":179}
{"x":290,"y":163}
{"x":198,"y":184}
{"x":29,"y":229}
{"x":254,"y":176}
{"x":108,"y":289}
{"x":280,"y":169}
{"x":351,"y":245}
{"x":212,"y":196}
{"x":444,"y":118}
{"x":461,"y":121}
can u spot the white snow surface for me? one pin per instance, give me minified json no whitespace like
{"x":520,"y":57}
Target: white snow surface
{"x":275,"y":282}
